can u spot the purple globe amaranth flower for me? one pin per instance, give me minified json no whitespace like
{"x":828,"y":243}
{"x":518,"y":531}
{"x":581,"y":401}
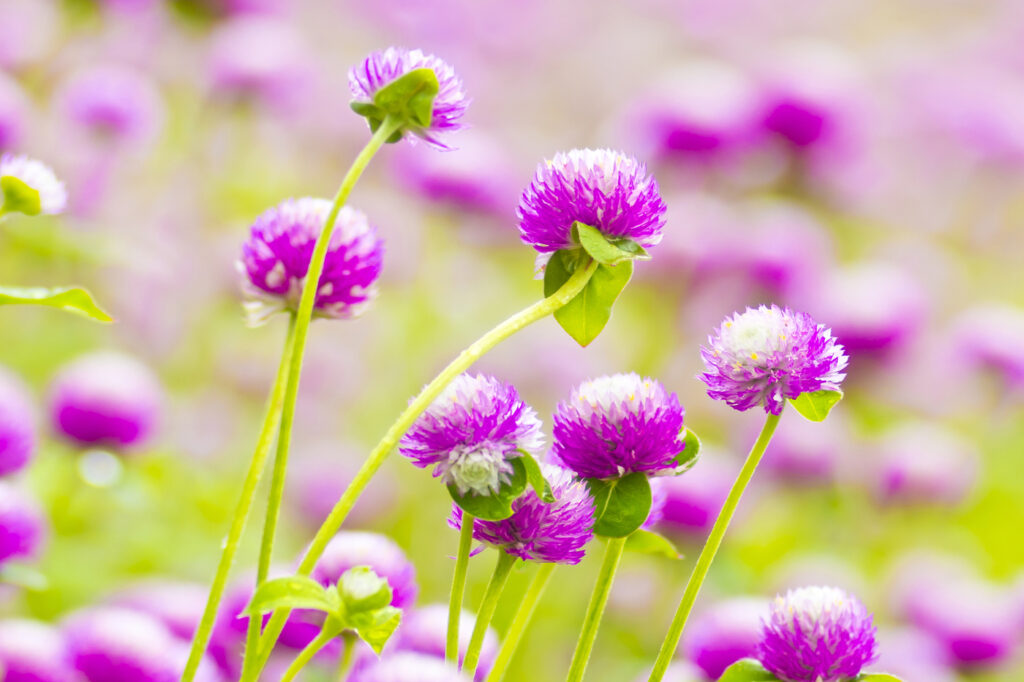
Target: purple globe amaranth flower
{"x":276,"y":257}
{"x":14,"y":112}
{"x":817,"y":634}
{"x":17,"y":424}
{"x":409,"y":667}
{"x":471,"y":432}
{"x":112,"y":102}
{"x":599,"y":187}
{"x":178,"y":605}
{"x":106,"y":399}
{"x":380,"y":68}
{"x":423,"y":631}
{"x":924,"y":463}
{"x":659,"y":500}
{"x":616,"y":425}
{"x":22,"y":524}
{"x":52,"y":195}
{"x":991,"y":337}
{"x":349,"y":549}
{"x":539,"y":531}
{"x":693,"y":501}
{"x":31,"y":651}
{"x":725,"y":633}
{"x":766,"y":355}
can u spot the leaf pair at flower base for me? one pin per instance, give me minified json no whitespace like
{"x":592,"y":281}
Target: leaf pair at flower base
{"x":751,"y":670}
{"x":816,"y":405}
{"x":360,"y":601}
{"x":498,"y":506}
{"x":408,"y":99}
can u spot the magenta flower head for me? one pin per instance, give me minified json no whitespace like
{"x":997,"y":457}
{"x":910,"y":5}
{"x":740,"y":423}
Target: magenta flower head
{"x":108,"y":644}
{"x":382,"y":68}
{"x":817,"y":634}
{"x":112,"y":102}
{"x":178,"y":605}
{"x":725,"y":633}
{"x":349,"y":549}
{"x":471,"y":432}
{"x":766,"y":355}
{"x":423,"y":631}
{"x":106,"y":399}
{"x":616,"y":425}
{"x":47,"y":192}
{"x":599,"y":187}
{"x":31,"y":651}
{"x":538,"y":531}
{"x":407,"y":666}
{"x":22,"y":524}
{"x":17,"y":424}
{"x":14,"y":112}
{"x":275,"y":260}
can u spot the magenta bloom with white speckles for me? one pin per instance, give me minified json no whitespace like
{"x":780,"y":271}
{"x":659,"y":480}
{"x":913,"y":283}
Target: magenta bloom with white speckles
{"x":381,"y":68}
{"x":817,"y":634}
{"x":349,"y":549}
{"x":52,"y":195}
{"x":538,"y":531}
{"x":31,"y":651}
{"x":275,"y":260}
{"x":22,"y":524}
{"x":766,"y":355}
{"x":471,"y":432}
{"x":617,"y":425}
{"x":599,"y":187}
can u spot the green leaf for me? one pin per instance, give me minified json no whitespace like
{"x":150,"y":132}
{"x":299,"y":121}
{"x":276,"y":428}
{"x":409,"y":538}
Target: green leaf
{"x":408,"y":99}
{"x":643,"y":541}
{"x":691,"y":448}
{"x":747,"y":670}
{"x":621,"y":505}
{"x":604,"y":250}
{"x":72,"y":299}
{"x":497,"y":506}
{"x":877,"y":677}
{"x":19,"y":197}
{"x":293,"y":592}
{"x":816,"y":405}
{"x":376,"y":627}
{"x":535,"y":477}
{"x":587,"y":314}
{"x":363,"y":590}
{"x":23,"y":576}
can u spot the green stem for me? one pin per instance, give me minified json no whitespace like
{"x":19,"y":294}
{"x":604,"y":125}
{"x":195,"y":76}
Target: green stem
{"x":242,"y":509}
{"x":707,"y":555}
{"x":348,"y":652}
{"x":451,"y":646}
{"x":502,"y":569}
{"x":523,"y":617}
{"x":595,"y":610}
{"x":307,"y":654}
{"x":464,"y":361}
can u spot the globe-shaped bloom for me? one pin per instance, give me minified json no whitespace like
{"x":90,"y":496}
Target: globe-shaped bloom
{"x":106,"y":399}
{"x":538,"y":531}
{"x":599,"y":187}
{"x":471,"y":432}
{"x":692,"y":501}
{"x":108,"y":644}
{"x":616,"y":425}
{"x":178,"y":605}
{"x":423,"y":631}
{"x":407,"y":666}
{"x":112,"y":102}
{"x":349,"y":549}
{"x":817,"y":634}
{"x":379,"y":69}
{"x":275,"y":260}
{"x":22,"y":524}
{"x":924,"y":463}
{"x":17,"y":429}
{"x":724,"y":634}
{"x":765,"y":355}
{"x":31,"y":651}
{"x":52,"y":195}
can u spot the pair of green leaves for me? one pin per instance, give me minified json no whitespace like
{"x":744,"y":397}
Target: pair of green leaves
{"x":408,"y":99}
{"x":816,"y":405}
{"x":72,"y":299}
{"x":498,"y":506}
{"x":19,"y":197}
{"x":587,"y":314}
{"x":360,"y":601}
{"x":751,"y":670}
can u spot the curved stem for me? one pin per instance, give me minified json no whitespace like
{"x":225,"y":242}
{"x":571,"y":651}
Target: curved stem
{"x":502,"y":569}
{"x":707,"y":555}
{"x":595,"y":610}
{"x":521,"y":621}
{"x":242,"y":509}
{"x":307,"y":654}
{"x":464,"y":361}
{"x":451,"y":645}
{"x":347,"y":655}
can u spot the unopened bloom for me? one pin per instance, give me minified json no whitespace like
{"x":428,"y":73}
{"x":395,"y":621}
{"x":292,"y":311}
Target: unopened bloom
{"x":22,"y":524}
{"x":37,"y":176}
{"x":379,"y":69}
{"x":31,"y":651}
{"x":616,"y":425}
{"x":817,"y":634}
{"x":409,"y":667}
{"x":112,"y":102}
{"x":539,"y":531}
{"x":424,"y":630}
{"x":349,"y":549}
{"x":599,"y":187}
{"x":106,"y":399}
{"x":276,"y":257}
{"x":765,"y":355}
{"x":17,"y":429}
{"x":471,"y":432}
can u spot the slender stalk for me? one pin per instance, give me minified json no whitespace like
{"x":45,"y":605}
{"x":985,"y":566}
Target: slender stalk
{"x":464,"y":361}
{"x":707,"y":555}
{"x":502,"y":569}
{"x":451,"y":645}
{"x":520,"y":622}
{"x":242,"y":509}
{"x":307,"y":654}
{"x":348,"y":652}
{"x":595,"y":610}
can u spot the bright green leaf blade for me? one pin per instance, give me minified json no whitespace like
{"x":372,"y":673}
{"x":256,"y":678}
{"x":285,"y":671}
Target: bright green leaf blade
{"x":497,"y":506}
{"x":25,"y":577}
{"x":877,"y":677}
{"x":586,"y":315}
{"x":648,"y":542}
{"x":535,"y":477}
{"x":691,"y":448}
{"x":72,"y":299}
{"x":621,"y":505}
{"x":747,"y":670}
{"x":376,"y":627}
{"x":19,"y":197}
{"x":815,"y":406}
{"x":600,"y":247}
{"x":410,"y":98}
{"x":292,"y":592}
{"x":556,"y":273}
{"x":361,"y":589}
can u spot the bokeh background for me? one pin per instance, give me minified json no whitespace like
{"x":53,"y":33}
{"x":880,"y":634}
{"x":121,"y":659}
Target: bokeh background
{"x":861,"y":160}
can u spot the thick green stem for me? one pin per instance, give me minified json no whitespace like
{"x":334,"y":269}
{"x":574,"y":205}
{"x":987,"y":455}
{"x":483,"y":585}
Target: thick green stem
{"x":242,"y":509}
{"x":348,"y":654}
{"x":307,"y":654}
{"x":595,"y":610}
{"x":502,"y":569}
{"x":521,"y":621}
{"x":707,"y":555}
{"x":460,"y":364}
{"x":451,"y":646}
